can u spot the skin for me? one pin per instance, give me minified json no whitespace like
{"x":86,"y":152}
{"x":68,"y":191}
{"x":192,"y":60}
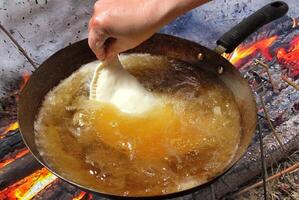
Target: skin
{"x":119,"y":25}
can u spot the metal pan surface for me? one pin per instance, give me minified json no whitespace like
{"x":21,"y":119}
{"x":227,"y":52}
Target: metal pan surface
{"x":63,"y":63}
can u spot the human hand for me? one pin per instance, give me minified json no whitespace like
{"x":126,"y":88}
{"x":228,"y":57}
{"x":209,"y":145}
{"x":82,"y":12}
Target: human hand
{"x":119,"y":25}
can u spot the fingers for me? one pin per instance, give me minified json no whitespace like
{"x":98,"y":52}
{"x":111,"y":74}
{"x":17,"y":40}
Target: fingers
{"x":110,"y":45}
{"x":114,"y":47}
{"x":104,"y":44}
{"x":96,"y":41}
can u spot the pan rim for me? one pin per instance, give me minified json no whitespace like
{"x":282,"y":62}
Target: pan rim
{"x":168,"y":195}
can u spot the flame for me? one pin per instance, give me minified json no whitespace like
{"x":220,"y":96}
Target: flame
{"x":287,"y":57}
{"x":249,"y":50}
{"x":83,"y":195}
{"x":28,"y":187}
{"x":15,"y":125}
{"x":80,"y":196}
{"x":290,"y":57}
{"x":10,"y":127}
{"x":10,"y":160}
{"x":25,"y":77}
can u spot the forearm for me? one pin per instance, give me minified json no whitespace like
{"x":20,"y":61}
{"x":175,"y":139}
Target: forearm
{"x":174,"y":8}
{"x":182,"y":6}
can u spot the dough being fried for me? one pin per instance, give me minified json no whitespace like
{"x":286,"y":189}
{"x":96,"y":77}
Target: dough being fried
{"x":113,"y":84}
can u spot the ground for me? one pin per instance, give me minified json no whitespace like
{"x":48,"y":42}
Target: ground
{"x":285,"y":187}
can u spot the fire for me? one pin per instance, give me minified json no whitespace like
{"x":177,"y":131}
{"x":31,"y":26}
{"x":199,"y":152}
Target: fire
{"x":80,"y":196}
{"x":10,"y":160}
{"x":15,"y":125}
{"x":287,"y":57}
{"x":25,"y":77}
{"x":83,"y":195}
{"x":10,"y":127}
{"x":290,"y":57}
{"x":28,"y":187}
{"x":248,"y":51}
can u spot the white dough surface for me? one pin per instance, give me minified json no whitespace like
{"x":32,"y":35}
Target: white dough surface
{"x":113,"y":84}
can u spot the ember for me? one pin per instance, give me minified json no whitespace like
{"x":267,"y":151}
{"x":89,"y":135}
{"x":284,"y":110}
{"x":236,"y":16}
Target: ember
{"x":10,"y":160}
{"x":290,"y":57}
{"x":80,"y":196}
{"x":10,"y":127}
{"x":287,"y":57}
{"x":15,"y":125}
{"x":29,"y":186}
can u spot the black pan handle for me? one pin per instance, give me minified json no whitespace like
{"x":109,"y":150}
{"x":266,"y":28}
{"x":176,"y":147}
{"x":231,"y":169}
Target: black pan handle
{"x":231,"y":39}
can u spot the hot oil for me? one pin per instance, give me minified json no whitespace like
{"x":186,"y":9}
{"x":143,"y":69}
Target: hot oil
{"x":191,"y":136}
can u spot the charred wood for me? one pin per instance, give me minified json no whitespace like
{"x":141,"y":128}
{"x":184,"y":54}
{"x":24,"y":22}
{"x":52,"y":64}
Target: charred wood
{"x":59,"y":189}
{"x":11,"y":142}
{"x":17,"y":170}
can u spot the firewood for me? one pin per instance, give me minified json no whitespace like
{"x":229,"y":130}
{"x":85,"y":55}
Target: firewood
{"x":17,"y":170}
{"x":11,"y":142}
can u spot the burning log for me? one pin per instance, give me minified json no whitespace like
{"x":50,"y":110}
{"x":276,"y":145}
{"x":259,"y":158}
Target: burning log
{"x":11,"y":158}
{"x":9,"y":128}
{"x":11,"y":142}
{"x":289,"y":56}
{"x":80,"y":196}
{"x":58,"y":189}
{"x":285,"y":52}
{"x":17,"y":170}
{"x":7,"y":115}
{"x":29,"y":186}
{"x":8,"y":104}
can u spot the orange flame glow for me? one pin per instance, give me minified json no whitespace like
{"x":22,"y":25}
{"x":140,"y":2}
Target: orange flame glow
{"x":248,"y":51}
{"x":10,"y":160}
{"x":80,"y":196}
{"x":28,"y":187}
{"x":15,"y":125}
{"x":286,"y":57}
{"x":290,"y":57}
{"x":10,"y":127}
{"x":26,"y":77}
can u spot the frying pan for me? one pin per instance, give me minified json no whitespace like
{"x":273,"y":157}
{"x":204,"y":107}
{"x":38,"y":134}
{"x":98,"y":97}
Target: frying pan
{"x":63,"y":63}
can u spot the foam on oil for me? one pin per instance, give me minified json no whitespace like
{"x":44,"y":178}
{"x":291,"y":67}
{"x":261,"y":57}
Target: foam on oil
{"x":184,"y":141}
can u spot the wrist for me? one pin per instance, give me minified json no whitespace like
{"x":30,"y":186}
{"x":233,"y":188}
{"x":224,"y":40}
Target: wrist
{"x":168,"y":10}
{"x":186,"y":5}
